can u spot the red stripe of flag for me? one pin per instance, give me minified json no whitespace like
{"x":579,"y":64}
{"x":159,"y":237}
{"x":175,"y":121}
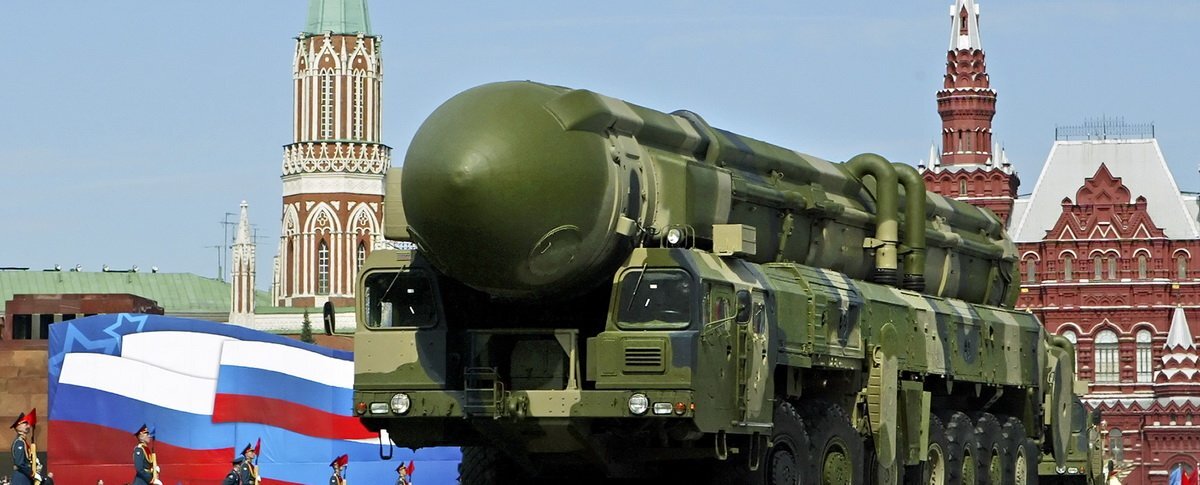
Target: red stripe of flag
{"x":237,"y":408}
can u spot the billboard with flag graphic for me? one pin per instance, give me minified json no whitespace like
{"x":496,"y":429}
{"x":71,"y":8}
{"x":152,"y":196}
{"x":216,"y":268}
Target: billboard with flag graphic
{"x":208,"y":389}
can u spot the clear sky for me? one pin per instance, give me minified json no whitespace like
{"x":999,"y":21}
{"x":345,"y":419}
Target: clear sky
{"x":128,"y":128}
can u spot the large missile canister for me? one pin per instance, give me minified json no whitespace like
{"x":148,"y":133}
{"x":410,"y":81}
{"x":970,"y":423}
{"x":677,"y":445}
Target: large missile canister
{"x":524,"y":190}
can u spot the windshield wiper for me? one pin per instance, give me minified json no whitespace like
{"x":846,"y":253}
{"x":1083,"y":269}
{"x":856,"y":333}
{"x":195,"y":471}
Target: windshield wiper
{"x":638,"y":284}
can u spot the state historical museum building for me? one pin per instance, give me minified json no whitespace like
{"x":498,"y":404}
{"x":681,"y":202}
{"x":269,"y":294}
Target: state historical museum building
{"x":1107,"y":245}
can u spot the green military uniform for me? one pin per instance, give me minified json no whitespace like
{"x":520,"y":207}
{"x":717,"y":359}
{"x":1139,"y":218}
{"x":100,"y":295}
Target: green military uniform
{"x":143,"y":469}
{"x":234,"y":477}
{"x":247,"y":472}
{"x":22,"y":468}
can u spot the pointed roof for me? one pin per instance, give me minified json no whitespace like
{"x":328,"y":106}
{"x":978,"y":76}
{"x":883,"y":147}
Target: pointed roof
{"x":1180,"y":336}
{"x":1179,"y":373}
{"x":338,"y":17}
{"x":243,"y":229}
{"x":1139,"y":164}
{"x":964,"y":26}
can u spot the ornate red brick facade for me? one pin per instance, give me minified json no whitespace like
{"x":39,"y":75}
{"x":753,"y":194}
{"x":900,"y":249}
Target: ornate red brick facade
{"x":1106,"y":243}
{"x":1108,"y":277}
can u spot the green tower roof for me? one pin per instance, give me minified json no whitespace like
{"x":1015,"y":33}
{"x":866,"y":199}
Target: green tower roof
{"x":338,"y":16}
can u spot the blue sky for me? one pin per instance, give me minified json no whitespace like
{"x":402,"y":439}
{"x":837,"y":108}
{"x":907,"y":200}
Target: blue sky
{"x":131,"y":127}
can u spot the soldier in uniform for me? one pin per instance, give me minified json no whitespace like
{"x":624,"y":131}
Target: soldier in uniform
{"x":405,"y":473}
{"x":339,"y":466}
{"x":142,"y":466}
{"x":248,"y":471}
{"x":23,"y":473}
{"x":234,"y":477}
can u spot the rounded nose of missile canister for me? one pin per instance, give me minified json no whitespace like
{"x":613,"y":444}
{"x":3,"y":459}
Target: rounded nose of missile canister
{"x":506,"y":201}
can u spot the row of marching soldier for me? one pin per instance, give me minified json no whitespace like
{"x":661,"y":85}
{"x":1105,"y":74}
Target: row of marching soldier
{"x":27,"y":470}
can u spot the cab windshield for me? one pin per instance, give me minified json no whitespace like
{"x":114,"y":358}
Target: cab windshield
{"x":661,"y":296}
{"x":399,"y":299}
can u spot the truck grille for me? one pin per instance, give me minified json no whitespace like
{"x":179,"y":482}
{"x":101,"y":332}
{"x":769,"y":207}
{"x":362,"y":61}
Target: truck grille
{"x":642,"y":359}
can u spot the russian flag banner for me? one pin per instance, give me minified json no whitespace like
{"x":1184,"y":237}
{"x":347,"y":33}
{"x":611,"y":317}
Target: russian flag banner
{"x":207,"y":389}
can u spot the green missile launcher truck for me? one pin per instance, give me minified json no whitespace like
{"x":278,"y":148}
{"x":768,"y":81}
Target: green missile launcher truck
{"x":596,"y":289}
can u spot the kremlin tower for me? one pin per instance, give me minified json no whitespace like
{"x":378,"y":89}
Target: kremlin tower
{"x":333,"y":170}
{"x":967,"y":167}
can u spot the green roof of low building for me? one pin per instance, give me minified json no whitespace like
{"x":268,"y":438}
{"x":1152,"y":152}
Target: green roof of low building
{"x":338,"y":17}
{"x":177,"y":293}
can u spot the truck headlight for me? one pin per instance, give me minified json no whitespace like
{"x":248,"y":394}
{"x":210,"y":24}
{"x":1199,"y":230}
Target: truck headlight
{"x":674,"y":235}
{"x":638,"y":404}
{"x":1060,"y":469}
{"x":400,"y":403}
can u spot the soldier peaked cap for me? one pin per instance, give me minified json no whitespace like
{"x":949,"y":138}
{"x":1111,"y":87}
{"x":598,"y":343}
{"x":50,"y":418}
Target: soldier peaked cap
{"x":30,"y":419}
{"x":141,"y":430}
{"x":247,"y":449}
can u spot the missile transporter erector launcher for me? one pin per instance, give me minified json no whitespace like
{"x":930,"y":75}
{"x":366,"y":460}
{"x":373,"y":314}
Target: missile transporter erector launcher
{"x":601,"y":289}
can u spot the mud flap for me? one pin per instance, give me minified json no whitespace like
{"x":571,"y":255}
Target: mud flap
{"x":882,"y":389}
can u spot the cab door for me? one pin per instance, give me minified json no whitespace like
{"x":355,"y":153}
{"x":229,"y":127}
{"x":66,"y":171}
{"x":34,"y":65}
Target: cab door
{"x":754,"y":383}
{"x":717,"y":370}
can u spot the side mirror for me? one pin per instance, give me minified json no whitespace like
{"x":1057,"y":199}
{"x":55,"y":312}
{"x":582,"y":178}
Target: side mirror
{"x":327,"y":316}
{"x":743,"y":306}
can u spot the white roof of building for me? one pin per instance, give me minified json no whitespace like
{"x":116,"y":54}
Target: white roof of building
{"x":1138,"y":163}
{"x":971,"y":40}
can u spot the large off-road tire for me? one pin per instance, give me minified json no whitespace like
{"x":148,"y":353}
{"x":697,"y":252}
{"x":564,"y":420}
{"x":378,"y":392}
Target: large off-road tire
{"x":991,"y":456}
{"x":1022,"y":466}
{"x":786,"y":461}
{"x":837,"y":449}
{"x":932,"y":471}
{"x":961,"y":462}
{"x":483,"y":465}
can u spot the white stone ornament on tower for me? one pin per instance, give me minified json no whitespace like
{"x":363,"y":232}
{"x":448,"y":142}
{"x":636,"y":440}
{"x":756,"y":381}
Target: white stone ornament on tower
{"x":242,"y":272}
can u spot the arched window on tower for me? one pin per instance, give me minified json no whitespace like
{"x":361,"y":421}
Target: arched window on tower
{"x":358,"y":105}
{"x":962,"y":188}
{"x":323,"y":268}
{"x":1141,"y":266}
{"x":1030,"y":270}
{"x":1098,"y":264}
{"x":327,"y":104}
{"x":1145,"y":356}
{"x":1181,"y":266}
{"x":1108,"y":366}
{"x":1112,"y":266}
{"x":1068,"y":263}
{"x":361,"y":254}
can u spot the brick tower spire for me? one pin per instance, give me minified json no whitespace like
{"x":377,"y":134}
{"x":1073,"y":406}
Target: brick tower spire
{"x":968,"y":168}
{"x":334,"y":168}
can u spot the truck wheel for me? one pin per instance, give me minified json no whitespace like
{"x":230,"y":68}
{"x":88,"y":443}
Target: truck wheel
{"x":1021,"y":468}
{"x":932,"y":471}
{"x":787,"y":459}
{"x":482,"y":465}
{"x":990,"y":448}
{"x":836,"y":446}
{"x":961,"y":457}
